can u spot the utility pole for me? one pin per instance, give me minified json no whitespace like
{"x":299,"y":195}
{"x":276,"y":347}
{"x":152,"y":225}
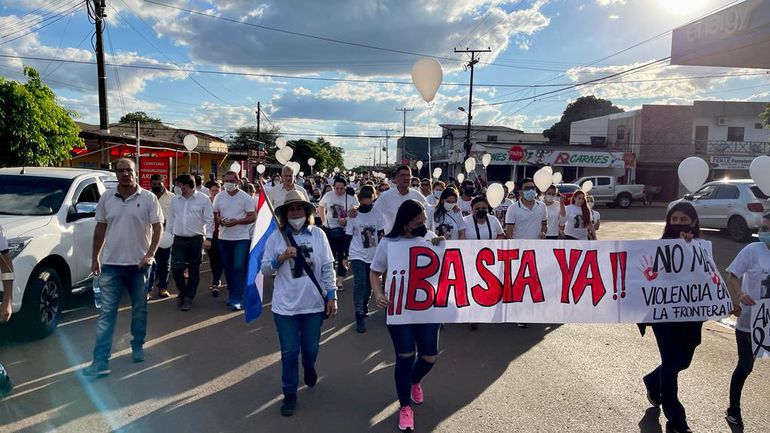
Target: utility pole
{"x":470,"y":64}
{"x":259,"y":114}
{"x":387,"y":160}
{"x":104,"y":119}
{"x":138,"y":150}
{"x":403,"y":135}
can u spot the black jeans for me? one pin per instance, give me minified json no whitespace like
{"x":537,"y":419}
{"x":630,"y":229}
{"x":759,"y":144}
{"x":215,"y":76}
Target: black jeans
{"x":410,"y":368}
{"x":744,"y":367}
{"x":339,"y":246}
{"x":186,"y":253}
{"x":159,"y":273}
{"x":676,"y":342}
{"x":215,"y":260}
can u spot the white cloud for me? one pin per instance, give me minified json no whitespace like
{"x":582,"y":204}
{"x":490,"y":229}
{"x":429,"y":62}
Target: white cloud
{"x":614,"y":17}
{"x":610,"y":2}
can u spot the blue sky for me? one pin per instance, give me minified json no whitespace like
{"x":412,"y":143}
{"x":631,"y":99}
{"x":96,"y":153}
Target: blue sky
{"x":533,"y":42}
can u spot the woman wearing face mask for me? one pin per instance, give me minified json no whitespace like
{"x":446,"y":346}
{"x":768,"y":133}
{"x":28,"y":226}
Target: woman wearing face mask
{"x":746,"y":279}
{"x":420,"y":339}
{"x":556,"y":212}
{"x":677,"y":341}
{"x":299,"y":302}
{"x":445,"y":219}
{"x":577,"y":225}
{"x":365,"y":232}
{"x":468,"y":192}
{"x":481,"y":224}
{"x":596,"y":217}
{"x":438,"y":188}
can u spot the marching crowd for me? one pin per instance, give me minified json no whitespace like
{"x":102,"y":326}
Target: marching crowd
{"x":329,"y":226}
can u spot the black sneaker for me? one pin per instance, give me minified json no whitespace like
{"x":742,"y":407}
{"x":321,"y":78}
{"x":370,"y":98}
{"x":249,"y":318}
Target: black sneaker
{"x":215,"y":292}
{"x":654,"y":398}
{"x":186,"y":306}
{"x":311,"y":377}
{"x":96,"y":369}
{"x":680,"y":427}
{"x":360,"y":324}
{"x":289,"y":405}
{"x":733,"y":416}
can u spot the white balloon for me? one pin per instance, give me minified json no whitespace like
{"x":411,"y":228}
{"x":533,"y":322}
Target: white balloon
{"x":426,"y":77}
{"x":166,"y":240}
{"x":190,"y":142}
{"x":760,"y":172}
{"x":301,"y":174}
{"x":284,"y":155}
{"x":336,"y":169}
{"x":495,"y":195}
{"x":293,"y":164}
{"x":548,"y":169}
{"x":693,"y":172}
{"x":280,"y":142}
{"x":311,"y":162}
{"x":470,"y":164}
{"x":437,"y":172}
{"x":460,"y":177}
{"x":511,"y":185}
{"x":557,"y":178}
{"x":587,"y":186}
{"x":260,"y":169}
{"x":486,"y":159}
{"x":235,"y":167}
{"x":543,"y":179}
{"x":419,"y":165}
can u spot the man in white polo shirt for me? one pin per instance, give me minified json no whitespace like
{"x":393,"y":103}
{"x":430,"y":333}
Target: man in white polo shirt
{"x":527,"y":218}
{"x":234,"y":211}
{"x":389,"y":202}
{"x":129,"y":224}
{"x":278,"y":193}
{"x":192,"y":224}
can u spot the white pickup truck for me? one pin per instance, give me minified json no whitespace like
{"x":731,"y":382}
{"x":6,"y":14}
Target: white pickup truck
{"x":48,"y":217}
{"x":607,"y":190}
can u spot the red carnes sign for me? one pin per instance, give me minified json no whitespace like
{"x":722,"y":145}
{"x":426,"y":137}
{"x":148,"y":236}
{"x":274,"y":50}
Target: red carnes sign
{"x":149,"y":166}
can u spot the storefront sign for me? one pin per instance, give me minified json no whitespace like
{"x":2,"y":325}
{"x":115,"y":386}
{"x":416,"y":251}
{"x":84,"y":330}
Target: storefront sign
{"x":149,"y":166}
{"x":731,"y":162}
{"x":576,"y":158}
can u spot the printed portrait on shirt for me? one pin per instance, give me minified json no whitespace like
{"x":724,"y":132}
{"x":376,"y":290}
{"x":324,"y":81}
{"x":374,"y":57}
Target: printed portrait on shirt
{"x":445,"y":230}
{"x":369,"y":236}
{"x":338,"y":211}
{"x":297,"y":271}
{"x":764,"y":293}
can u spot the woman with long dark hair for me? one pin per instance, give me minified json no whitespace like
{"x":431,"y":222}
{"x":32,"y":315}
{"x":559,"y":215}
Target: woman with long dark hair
{"x":676,"y":340}
{"x":416,"y":345}
{"x":446,"y":219}
{"x":578,"y":218}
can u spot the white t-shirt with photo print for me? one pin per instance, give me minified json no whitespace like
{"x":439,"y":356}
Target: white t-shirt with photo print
{"x":336,"y":207}
{"x":752,"y":265}
{"x":363,"y":229}
{"x":448,"y":225}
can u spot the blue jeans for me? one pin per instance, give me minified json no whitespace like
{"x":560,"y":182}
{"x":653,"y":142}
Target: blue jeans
{"x":112,"y":281}
{"x":362,"y":288}
{"x":234,"y":259}
{"x":301,"y":332}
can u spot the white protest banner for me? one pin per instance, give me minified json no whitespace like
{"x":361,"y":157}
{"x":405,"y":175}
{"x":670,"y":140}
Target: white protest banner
{"x":760,"y":328}
{"x":546,"y":281}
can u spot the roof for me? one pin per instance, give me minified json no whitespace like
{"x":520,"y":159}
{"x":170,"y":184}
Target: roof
{"x":58,"y":172}
{"x":481,"y":128}
{"x":728,"y":108}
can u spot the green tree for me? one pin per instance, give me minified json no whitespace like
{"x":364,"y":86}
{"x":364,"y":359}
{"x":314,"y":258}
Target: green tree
{"x":765,"y":115}
{"x":34,"y":129}
{"x":584,"y":107}
{"x":326,"y":155}
{"x":246,"y":138}
{"x":138,"y":116}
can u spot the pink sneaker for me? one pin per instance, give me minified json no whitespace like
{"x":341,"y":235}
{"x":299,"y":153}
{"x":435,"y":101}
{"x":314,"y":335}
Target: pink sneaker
{"x":417,"y":396}
{"x":406,"y":419}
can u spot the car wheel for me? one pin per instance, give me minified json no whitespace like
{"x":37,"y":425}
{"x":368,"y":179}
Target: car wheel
{"x":738,"y":229}
{"x":624,"y":201}
{"x":42,"y":304}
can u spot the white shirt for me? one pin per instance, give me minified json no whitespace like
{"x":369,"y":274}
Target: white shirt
{"x":234,"y":207}
{"x":501,"y":209}
{"x":336,"y":207}
{"x":574,"y":225}
{"x":527,"y":223}
{"x":490,"y":230}
{"x":363,"y":229}
{"x":752,"y":265}
{"x":380,"y":262}
{"x":299,"y":295}
{"x":202,"y":189}
{"x":129,"y":225}
{"x":192,"y":216}
{"x":165,"y":204}
{"x":448,"y":225}
{"x":388,"y":203}
{"x":465,"y":206}
{"x":431,"y":199}
{"x":278,"y":194}
{"x":554,"y":218}
{"x":595,"y":216}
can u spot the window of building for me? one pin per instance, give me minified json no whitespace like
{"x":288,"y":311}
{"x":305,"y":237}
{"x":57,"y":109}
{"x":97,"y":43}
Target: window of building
{"x":758,"y":126}
{"x":491,"y":138}
{"x":734,"y":133}
{"x":621,"y":132}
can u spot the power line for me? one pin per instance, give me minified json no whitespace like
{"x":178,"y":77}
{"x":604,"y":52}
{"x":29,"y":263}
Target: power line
{"x":55,"y":18}
{"x":117,"y":75}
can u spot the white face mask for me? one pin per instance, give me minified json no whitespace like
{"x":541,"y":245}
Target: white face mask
{"x":177,"y":190}
{"x":297,"y":223}
{"x":449,"y":206}
{"x":550,"y":197}
{"x":229,"y":186}
{"x":590,"y":205}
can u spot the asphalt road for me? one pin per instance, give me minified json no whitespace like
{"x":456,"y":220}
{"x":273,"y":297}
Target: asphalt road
{"x":208,"y":371}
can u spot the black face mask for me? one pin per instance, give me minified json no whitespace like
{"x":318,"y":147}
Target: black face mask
{"x":420,"y":232}
{"x":469,"y":190}
{"x":157,"y":189}
{"x":675,"y":229}
{"x":365,"y":208}
{"x":480,"y":215}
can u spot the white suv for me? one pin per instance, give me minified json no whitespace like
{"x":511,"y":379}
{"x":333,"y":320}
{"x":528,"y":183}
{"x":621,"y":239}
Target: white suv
{"x":48,"y":216}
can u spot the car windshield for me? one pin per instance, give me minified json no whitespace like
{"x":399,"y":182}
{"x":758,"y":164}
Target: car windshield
{"x":758,"y":193}
{"x":567,"y":188}
{"x":31,"y":195}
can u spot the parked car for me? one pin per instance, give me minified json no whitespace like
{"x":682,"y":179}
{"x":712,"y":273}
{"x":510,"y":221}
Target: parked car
{"x":607,"y":190}
{"x":736,"y":205}
{"x":48,"y":217}
{"x":567,"y":190}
